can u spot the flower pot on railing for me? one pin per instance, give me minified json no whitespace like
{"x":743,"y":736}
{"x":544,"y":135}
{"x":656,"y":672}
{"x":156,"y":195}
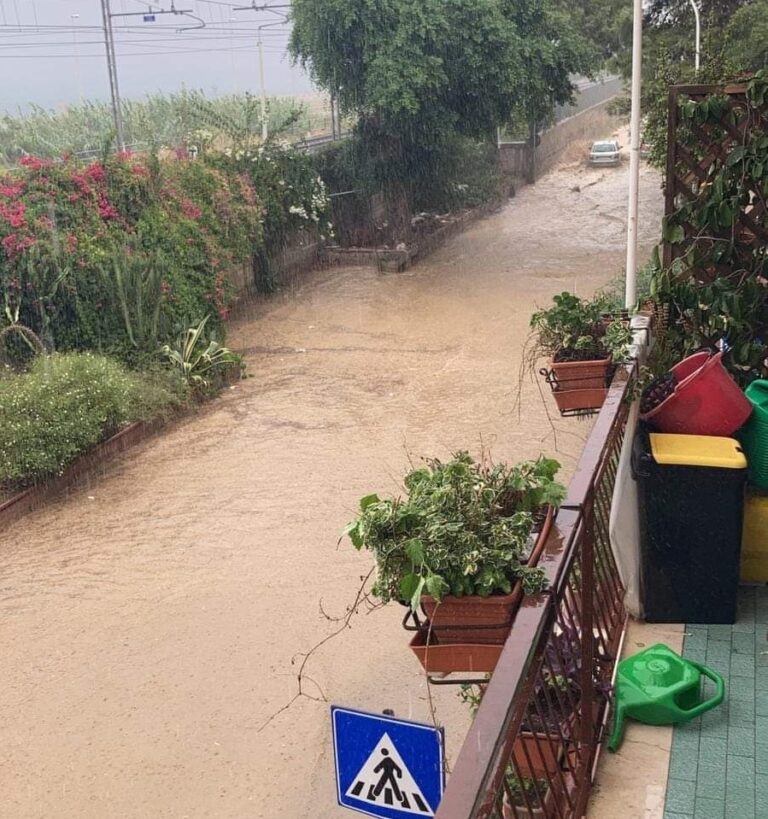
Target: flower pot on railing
{"x":541,"y":753}
{"x":480,"y":620}
{"x":581,"y":341}
{"x":468,"y":633}
{"x":579,"y":385}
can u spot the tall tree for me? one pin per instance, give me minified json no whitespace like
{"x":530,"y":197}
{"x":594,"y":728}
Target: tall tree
{"x":414,"y":71}
{"x":748,"y":33}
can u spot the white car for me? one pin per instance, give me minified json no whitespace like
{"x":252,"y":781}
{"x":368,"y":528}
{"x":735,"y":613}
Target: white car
{"x":605,"y":152}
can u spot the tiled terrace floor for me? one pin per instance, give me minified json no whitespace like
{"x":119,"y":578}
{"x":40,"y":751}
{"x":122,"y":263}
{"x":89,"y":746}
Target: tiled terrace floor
{"x":719,"y":763}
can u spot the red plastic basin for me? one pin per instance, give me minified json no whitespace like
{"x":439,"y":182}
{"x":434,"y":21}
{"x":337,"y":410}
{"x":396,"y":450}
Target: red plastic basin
{"x":706,"y":401}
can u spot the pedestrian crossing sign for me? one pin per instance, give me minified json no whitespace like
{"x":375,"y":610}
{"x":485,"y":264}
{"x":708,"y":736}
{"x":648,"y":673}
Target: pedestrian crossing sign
{"x":386,"y":766}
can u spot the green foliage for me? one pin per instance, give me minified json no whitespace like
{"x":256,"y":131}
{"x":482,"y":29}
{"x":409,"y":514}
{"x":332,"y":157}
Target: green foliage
{"x":617,"y":339}
{"x":747,"y":33}
{"x":120,"y":255}
{"x":199,"y":361}
{"x":291,"y":193}
{"x":524,"y":792}
{"x":575,"y":329}
{"x":462,"y":529}
{"x":614,"y":293}
{"x":66,"y":404}
{"x":187,"y":118}
{"x":662,"y":69}
{"x":416,"y":75}
{"x":553,"y":49}
{"x":717,"y":290}
{"x":464,"y":175}
{"x":606,"y":25}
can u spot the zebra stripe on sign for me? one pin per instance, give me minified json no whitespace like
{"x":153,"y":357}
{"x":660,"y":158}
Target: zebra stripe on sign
{"x":385,"y":780}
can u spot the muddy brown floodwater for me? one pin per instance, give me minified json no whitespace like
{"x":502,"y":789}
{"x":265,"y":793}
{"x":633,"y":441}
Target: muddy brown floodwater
{"x":150,"y":617}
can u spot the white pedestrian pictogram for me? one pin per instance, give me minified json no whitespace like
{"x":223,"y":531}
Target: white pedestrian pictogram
{"x":385,"y":780}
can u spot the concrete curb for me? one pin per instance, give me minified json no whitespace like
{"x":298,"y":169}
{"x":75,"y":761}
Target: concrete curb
{"x":30,"y":499}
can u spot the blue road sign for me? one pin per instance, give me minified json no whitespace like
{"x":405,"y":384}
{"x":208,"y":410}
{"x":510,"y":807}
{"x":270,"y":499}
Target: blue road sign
{"x":385,"y":766}
{"x":149,"y":18}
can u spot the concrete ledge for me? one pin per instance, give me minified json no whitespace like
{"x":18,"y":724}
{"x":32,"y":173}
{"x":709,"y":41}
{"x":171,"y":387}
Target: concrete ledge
{"x":30,"y":499}
{"x":632,"y":783}
{"x":389,"y":260}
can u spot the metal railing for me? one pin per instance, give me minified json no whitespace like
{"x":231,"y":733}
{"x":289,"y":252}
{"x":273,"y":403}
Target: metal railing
{"x":533,"y":746}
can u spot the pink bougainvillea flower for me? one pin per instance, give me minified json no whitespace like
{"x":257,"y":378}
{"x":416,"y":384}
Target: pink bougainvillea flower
{"x":95,"y":172}
{"x":107,"y":210}
{"x":35,"y":163}
{"x":14,"y":214}
{"x":14,"y":244}
{"x":9,"y":190}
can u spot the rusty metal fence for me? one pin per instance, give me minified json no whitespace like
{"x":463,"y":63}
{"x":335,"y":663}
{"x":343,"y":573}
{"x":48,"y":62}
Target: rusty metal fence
{"x":533,"y":745}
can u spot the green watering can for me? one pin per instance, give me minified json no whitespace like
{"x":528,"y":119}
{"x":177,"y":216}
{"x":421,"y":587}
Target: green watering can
{"x":658,"y":687}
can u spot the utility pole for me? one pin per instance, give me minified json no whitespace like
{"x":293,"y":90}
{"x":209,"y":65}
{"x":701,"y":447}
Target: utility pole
{"x":75,"y":17}
{"x":109,"y":42}
{"x":262,"y":88}
{"x":262,"y":92}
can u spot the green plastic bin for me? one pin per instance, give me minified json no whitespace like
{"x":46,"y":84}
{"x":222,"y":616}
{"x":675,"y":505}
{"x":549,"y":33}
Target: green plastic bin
{"x":754,"y":436}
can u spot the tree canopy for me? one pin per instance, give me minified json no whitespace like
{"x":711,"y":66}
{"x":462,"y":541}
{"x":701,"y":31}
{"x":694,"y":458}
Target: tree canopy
{"x":418,"y":69}
{"x":748,"y":35}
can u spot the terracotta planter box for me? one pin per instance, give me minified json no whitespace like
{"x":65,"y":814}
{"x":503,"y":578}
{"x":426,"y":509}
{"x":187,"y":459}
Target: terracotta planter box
{"x":580,"y":384}
{"x":472,"y":619}
{"x":438,"y":658}
{"x":479,"y":620}
{"x":467,"y":634}
{"x":538,"y":755}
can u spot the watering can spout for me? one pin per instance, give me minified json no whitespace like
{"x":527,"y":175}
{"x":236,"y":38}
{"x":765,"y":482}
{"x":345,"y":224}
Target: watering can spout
{"x":617,"y":734}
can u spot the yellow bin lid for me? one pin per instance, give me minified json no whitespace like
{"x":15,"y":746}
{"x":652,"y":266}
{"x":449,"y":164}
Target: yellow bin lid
{"x":697,"y":450}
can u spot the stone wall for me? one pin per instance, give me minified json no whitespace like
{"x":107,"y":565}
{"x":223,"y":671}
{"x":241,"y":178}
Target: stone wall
{"x":300,"y":254}
{"x":593,"y":123}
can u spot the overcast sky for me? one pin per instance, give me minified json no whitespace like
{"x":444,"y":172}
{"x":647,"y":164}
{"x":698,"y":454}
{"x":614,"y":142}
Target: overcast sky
{"x":52,"y":51}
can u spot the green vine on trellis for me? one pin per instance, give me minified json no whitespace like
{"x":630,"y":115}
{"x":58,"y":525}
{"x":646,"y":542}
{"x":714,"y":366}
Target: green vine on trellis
{"x":718,"y":285}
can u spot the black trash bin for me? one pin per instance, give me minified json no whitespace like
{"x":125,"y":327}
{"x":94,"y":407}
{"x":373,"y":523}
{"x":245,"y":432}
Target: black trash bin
{"x":691,"y":497}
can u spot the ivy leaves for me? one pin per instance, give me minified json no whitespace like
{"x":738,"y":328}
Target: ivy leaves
{"x":464,"y":528}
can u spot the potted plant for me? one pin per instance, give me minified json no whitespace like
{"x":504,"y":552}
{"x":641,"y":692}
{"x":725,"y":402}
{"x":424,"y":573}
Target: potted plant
{"x":461,"y":545}
{"x":524,"y":796}
{"x":547,"y":731}
{"x":582,"y":346}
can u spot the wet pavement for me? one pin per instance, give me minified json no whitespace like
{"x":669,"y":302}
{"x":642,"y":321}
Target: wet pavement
{"x":150,"y":617}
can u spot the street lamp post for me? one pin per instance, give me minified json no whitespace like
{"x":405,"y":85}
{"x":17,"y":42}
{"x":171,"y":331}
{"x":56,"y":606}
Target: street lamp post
{"x":696,"y":14}
{"x":630,"y":296}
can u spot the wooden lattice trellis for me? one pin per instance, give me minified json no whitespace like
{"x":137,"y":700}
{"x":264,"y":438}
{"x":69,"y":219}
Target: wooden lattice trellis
{"x":696,"y":153}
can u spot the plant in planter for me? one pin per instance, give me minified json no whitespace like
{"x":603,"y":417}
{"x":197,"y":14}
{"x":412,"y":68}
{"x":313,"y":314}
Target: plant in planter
{"x":582,"y":346}
{"x":546,"y":740}
{"x":459,"y":543}
{"x":524,"y":796}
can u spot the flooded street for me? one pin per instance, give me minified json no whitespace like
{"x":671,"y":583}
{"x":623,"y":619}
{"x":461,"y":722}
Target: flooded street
{"x":150,"y":618}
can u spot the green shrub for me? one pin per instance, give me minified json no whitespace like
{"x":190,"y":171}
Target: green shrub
{"x":66,"y":404}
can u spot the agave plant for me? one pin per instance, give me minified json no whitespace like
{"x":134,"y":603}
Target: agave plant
{"x":199,"y":359}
